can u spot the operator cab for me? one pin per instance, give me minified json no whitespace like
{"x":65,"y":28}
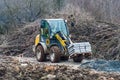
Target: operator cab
{"x":49,"y":27}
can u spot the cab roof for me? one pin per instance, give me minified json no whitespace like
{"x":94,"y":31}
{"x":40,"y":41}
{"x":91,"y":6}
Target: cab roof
{"x":53,"y":19}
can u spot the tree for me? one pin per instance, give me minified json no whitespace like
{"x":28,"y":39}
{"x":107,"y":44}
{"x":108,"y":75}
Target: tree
{"x":58,"y":4}
{"x":10,"y":13}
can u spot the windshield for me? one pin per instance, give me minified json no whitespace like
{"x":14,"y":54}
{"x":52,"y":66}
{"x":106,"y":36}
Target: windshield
{"x":58,"y":25}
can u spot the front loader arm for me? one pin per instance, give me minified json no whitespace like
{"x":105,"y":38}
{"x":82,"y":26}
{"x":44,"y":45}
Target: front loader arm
{"x":62,"y":42}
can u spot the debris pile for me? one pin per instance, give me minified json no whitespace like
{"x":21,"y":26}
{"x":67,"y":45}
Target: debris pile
{"x":104,"y":38}
{"x":16,"y":70}
{"x":21,"y":40}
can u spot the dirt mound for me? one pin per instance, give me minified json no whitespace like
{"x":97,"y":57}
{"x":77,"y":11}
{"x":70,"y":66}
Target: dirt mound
{"x":104,"y":38}
{"x":16,"y":70}
{"x":21,"y":40}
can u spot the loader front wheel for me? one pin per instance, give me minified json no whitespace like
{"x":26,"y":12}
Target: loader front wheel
{"x":64,"y":58}
{"x":78,"y":58}
{"x":54,"y":54}
{"x":40,"y":54}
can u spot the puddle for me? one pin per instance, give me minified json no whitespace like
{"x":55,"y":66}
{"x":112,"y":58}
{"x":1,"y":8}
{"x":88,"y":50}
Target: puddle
{"x":102,"y":65}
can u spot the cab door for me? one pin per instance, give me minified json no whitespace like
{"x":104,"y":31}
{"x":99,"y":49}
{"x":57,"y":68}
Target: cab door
{"x":45,"y":32}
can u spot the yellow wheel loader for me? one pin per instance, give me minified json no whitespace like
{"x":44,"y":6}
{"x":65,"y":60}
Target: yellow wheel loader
{"x":54,"y":42}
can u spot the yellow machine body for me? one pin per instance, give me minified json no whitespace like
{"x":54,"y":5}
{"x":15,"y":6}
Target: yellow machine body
{"x":62,"y":42}
{"x":37,"y":39}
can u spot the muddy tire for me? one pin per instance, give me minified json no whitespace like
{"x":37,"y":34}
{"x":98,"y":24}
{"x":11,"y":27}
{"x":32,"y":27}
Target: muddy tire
{"x":40,"y":56}
{"x":64,"y":58}
{"x":88,"y":56}
{"x":54,"y":54}
{"x":78,"y":58}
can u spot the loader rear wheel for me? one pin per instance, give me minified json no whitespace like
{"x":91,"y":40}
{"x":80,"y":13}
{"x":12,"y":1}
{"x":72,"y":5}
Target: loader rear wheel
{"x":78,"y":58}
{"x":54,"y":54}
{"x":40,"y":54}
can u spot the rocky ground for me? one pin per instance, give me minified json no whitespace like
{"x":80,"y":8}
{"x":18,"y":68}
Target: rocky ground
{"x":12,"y":68}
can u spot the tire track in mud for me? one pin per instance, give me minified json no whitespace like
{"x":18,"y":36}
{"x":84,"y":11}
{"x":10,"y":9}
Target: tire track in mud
{"x":69,"y":63}
{"x":96,"y":64}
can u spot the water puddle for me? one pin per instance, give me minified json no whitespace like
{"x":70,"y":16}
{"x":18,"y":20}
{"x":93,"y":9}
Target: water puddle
{"x":102,"y":65}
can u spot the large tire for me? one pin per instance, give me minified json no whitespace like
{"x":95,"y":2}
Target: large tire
{"x":78,"y":58}
{"x":40,"y":55}
{"x":54,"y":54}
{"x":64,"y":58}
{"x":88,"y":56}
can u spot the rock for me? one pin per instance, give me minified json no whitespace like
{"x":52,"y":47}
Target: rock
{"x":50,"y":68}
{"x":24,"y":64}
{"x":93,"y":72}
{"x":102,"y":78}
{"x":49,"y":77}
{"x":111,"y":78}
{"x":2,"y":70}
{"x":15,"y":68}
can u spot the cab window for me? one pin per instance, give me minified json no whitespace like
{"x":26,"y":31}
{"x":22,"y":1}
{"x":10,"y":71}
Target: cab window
{"x":45,"y":29}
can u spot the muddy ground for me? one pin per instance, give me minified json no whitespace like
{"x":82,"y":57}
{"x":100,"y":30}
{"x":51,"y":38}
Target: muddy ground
{"x":12,"y":68}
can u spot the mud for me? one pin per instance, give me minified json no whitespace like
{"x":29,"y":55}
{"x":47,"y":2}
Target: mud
{"x":17,"y":70}
{"x":102,"y":65}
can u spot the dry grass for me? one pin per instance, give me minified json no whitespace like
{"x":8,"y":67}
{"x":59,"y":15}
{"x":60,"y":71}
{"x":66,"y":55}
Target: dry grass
{"x":80,"y":14}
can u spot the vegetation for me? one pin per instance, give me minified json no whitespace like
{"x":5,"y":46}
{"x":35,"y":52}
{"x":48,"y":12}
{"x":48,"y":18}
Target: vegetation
{"x":17,"y":12}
